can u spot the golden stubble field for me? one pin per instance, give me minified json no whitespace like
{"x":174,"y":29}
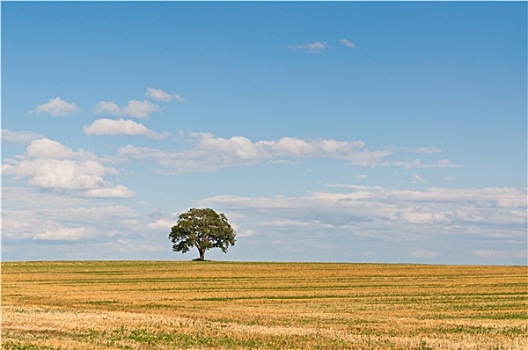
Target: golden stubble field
{"x":224,"y":305}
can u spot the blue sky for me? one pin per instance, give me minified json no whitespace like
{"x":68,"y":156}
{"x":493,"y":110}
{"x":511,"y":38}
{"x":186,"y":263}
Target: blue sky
{"x":343,"y":131}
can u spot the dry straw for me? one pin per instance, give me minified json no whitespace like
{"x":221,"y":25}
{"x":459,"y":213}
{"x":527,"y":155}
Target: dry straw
{"x":185,"y":305}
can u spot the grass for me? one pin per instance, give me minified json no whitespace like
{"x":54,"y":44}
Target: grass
{"x":225,"y":305}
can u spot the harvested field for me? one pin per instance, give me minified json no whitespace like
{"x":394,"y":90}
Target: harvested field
{"x":224,"y":305}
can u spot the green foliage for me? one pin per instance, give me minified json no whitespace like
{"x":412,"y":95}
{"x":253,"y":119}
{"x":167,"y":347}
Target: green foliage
{"x":203,"y":229}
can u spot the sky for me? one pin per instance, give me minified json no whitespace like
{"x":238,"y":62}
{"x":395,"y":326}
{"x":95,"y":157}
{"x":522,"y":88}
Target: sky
{"x":386,"y":132}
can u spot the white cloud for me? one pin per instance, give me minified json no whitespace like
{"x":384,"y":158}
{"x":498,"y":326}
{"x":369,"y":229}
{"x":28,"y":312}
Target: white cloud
{"x":445,"y":163}
{"x":57,"y":107}
{"x":108,"y":107}
{"x":347,"y":43}
{"x":121,"y":127}
{"x":418,"y":214}
{"x":46,"y":148}
{"x":118,"y":191}
{"x":30,"y":225}
{"x":373,"y":211}
{"x":212,"y":153}
{"x":315,"y":47}
{"x":47,"y":216}
{"x":162,"y":224}
{"x":501,"y":197}
{"x":419,"y":164}
{"x":243,"y":233}
{"x":9,"y":136}
{"x":427,"y":150}
{"x":62,"y":234}
{"x":134,"y":108}
{"x":418,"y":179}
{"x":50,"y":165}
{"x":161,"y":95}
{"x":141,"y":109}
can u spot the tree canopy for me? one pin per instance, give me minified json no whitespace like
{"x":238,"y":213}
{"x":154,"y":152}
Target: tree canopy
{"x":203,"y":229}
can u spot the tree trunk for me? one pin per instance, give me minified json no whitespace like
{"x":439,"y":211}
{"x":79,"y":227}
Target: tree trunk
{"x":202,"y":254}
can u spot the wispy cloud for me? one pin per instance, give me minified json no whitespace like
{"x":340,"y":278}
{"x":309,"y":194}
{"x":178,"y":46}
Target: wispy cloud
{"x":320,"y":46}
{"x":347,"y":43}
{"x":121,"y":127}
{"x":161,"y":95}
{"x":50,"y":165}
{"x":57,"y":107}
{"x":427,"y":150}
{"x":418,"y":179}
{"x":117,"y":191}
{"x":419,"y":164}
{"x":48,"y":216}
{"x":9,"y":136}
{"x":377,"y":212}
{"x":212,"y":153}
{"x":315,"y":47}
{"x":134,"y":108}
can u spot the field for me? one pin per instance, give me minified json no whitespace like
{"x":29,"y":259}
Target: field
{"x":223,"y":305}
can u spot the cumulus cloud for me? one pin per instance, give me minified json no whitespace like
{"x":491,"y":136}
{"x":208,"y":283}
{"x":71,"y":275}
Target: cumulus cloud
{"x":315,"y":47}
{"x":49,"y":164}
{"x":9,"y":136}
{"x":347,"y":43}
{"x":211,"y":153}
{"x":157,"y":94}
{"x":108,"y":107}
{"x":141,"y":109}
{"x":121,"y":127}
{"x":57,"y":107}
{"x":134,"y":108}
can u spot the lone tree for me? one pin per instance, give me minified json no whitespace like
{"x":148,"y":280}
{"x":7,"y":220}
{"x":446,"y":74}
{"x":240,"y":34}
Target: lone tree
{"x":203,"y":229}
